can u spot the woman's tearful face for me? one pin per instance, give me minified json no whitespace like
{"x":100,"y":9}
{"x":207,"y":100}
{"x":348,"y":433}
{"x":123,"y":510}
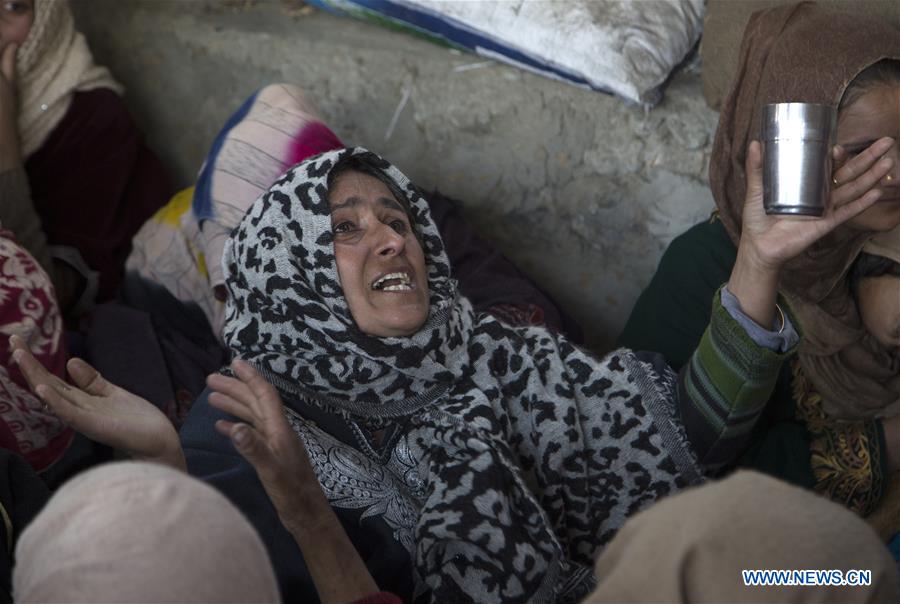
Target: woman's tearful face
{"x":380,"y":262}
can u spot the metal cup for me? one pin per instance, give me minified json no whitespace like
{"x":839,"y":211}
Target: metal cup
{"x":797,"y":139}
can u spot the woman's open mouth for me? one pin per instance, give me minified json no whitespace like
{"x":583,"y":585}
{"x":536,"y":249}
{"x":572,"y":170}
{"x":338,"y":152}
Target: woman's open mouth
{"x":394,"y":282}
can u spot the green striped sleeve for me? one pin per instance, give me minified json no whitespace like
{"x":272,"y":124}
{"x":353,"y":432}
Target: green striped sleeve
{"x":724,"y":388}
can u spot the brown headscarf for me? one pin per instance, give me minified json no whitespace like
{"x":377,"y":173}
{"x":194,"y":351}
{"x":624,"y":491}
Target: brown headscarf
{"x":806,"y":53}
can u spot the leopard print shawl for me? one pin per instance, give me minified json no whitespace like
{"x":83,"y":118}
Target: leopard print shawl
{"x":531,"y":452}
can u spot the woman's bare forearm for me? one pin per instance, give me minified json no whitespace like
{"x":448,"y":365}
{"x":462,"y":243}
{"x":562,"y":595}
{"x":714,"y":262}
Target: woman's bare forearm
{"x":172,"y":456}
{"x":755,"y":285}
{"x":337,"y":570}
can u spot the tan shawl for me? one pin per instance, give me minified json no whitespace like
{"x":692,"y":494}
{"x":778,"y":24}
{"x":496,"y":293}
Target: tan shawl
{"x":692,"y":547}
{"x":135,"y":532}
{"x":805,"y":53}
{"x":52,"y":64}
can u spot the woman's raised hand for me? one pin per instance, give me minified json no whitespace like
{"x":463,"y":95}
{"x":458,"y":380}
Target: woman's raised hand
{"x":769,"y":241}
{"x":100,"y":410}
{"x":264,"y":438}
{"x":774,"y":239}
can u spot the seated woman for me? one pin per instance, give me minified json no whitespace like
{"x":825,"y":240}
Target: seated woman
{"x":76,"y":182}
{"x":801,"y":53}
{"x":465,"y":459}
{"x":174,"y":272}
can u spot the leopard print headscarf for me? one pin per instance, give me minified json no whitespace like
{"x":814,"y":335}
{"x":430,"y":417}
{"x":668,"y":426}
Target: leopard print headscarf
{"x":531,"y":452}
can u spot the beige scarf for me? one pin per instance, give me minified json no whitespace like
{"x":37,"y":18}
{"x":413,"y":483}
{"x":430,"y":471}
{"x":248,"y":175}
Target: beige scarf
{"x":692,"y":547}
{"x":137,"y":532}
{"x":52,"y":64}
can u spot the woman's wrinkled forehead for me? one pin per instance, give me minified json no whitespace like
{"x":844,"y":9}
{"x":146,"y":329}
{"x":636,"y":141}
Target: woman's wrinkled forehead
{"x":297,"y":205}
{"x":348,"y":190}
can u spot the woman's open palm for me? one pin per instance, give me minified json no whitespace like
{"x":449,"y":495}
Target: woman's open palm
{"x":101,"y":410}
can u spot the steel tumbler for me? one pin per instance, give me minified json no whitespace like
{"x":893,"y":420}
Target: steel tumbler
{"x":797,"y":139}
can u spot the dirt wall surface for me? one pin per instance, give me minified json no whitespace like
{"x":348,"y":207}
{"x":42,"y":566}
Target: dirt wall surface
{"x":582,"y":191}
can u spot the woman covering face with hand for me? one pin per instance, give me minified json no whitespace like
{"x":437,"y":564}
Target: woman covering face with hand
{"x":464,"y":458}
{"x":802,"y":53}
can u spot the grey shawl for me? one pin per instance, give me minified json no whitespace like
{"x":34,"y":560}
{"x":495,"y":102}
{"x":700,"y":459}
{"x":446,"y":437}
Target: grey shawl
{"x":524,"y":455}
